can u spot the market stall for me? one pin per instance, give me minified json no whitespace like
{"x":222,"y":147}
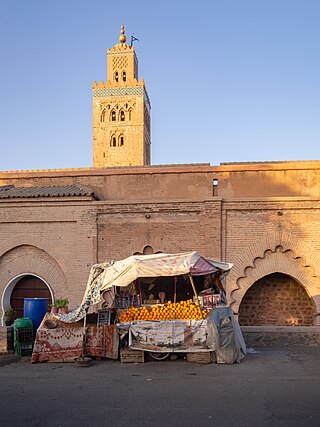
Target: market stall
{"x":166,"y":303}
{"x":148,"y":269}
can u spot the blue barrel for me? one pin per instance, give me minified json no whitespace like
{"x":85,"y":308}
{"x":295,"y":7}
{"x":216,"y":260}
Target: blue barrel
{"x":35,"y":309}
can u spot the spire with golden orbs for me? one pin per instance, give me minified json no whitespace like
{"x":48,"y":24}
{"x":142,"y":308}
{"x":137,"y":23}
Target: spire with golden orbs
{"x":122,"y":37}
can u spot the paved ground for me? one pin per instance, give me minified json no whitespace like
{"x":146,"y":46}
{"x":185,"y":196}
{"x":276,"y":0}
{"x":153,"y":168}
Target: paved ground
{"x":273,"y":387}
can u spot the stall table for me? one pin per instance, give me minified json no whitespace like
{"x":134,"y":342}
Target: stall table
{"x":64,"y":342}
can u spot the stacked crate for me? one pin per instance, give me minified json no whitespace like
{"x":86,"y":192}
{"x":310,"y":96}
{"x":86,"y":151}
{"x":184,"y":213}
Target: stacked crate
{"x":131,"y":356}
{"x":23,"y":337}
{"x":200,"y":357}
{"x":104,"y":317}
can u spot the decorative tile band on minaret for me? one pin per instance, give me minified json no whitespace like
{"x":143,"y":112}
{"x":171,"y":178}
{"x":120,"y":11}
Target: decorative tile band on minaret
{"x":121,"y":112}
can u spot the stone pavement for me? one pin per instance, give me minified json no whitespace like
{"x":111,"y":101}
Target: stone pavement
{"x":275,"y":386}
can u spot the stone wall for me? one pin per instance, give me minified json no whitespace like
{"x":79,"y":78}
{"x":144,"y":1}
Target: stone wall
{"x":274,"y":336}
{"x":59,"y":241}
{"x":54,"y":241}
{"x":276,"y":299}
{"x":172,"y":209}
{"x":166,"y":227}
{"x":235,"y":181}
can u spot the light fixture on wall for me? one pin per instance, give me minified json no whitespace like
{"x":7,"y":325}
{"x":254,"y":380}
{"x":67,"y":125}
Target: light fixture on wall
{"x":215,"y":183}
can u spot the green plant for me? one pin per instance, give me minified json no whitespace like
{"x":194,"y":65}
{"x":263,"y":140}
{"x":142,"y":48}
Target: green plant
{"x":61,"y":303}
{"x":10,"y":314}
{"x":56,"y":303}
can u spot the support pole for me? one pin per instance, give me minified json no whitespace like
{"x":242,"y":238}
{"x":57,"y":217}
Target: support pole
{"x":175,"y":295}
{"x":84,"y":335}
{"x":195,"y":292}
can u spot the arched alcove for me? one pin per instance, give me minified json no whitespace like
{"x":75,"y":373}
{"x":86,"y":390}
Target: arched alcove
{"x":276,"y":300}
{"x":28,"y":286}
{"x":275,"y":259}
{"x":25,"y":286}
{"x":25,"y":260}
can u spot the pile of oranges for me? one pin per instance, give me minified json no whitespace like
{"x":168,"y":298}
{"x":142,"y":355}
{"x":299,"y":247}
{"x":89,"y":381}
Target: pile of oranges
{"x":183,"y":310}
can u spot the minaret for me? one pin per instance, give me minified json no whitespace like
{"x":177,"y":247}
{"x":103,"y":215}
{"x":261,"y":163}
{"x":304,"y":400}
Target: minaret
{"x":121,"y":112}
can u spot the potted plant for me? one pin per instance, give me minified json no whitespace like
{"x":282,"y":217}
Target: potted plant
{"x":55,"y":306}
{"x":10,"y":315}
{"x":63,"y":305}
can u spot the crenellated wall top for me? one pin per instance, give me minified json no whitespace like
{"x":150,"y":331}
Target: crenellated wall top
{"x":121,"y":47}
{"x":109,"y":83}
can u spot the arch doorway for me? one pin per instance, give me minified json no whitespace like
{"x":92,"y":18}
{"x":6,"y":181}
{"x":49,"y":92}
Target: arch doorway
{"x":25,"y":286}
{"x":276,"y":300}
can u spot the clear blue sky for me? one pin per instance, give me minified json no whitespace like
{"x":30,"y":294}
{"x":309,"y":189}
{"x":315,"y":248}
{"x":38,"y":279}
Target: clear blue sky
{"x":229,"y":80}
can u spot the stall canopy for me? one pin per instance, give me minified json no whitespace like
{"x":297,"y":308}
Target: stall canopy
{"x":122,"y":273}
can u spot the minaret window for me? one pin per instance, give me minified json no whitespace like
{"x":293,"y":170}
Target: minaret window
{"x":130,"y":114}
{"x":122,"y":116}
{"x":121,"y":140}
{"x":116,"y":76}
{"x":113,"y":141}
{"x":124,"y":76}
{"x":103,"y":116}
{"x":113,"y":116}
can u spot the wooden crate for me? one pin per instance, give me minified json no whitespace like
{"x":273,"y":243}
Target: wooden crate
{"x":201,"y":357}
{"x":131,"y":356}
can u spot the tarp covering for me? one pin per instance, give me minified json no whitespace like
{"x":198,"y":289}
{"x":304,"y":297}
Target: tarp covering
{"x":122,"y":273}
{"x":225,"y":336}
{"x":168,"y":335}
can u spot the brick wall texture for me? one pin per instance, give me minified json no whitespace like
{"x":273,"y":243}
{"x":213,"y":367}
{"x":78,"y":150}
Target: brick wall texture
{"x":263,"y":218}
{"x":276,"y":300}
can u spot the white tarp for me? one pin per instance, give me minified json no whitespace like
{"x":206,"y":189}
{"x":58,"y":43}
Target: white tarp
{"x":122,"y":273}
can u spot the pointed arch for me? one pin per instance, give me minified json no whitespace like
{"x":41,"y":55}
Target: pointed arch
{"x":103,"y":116}
{"x":113,"y":141}
{"x":121,"y":140}
{"x":283,"y":253}
{"x":124,"y":75}
{"x":122,"y":115}
{"x":113,"y":116}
